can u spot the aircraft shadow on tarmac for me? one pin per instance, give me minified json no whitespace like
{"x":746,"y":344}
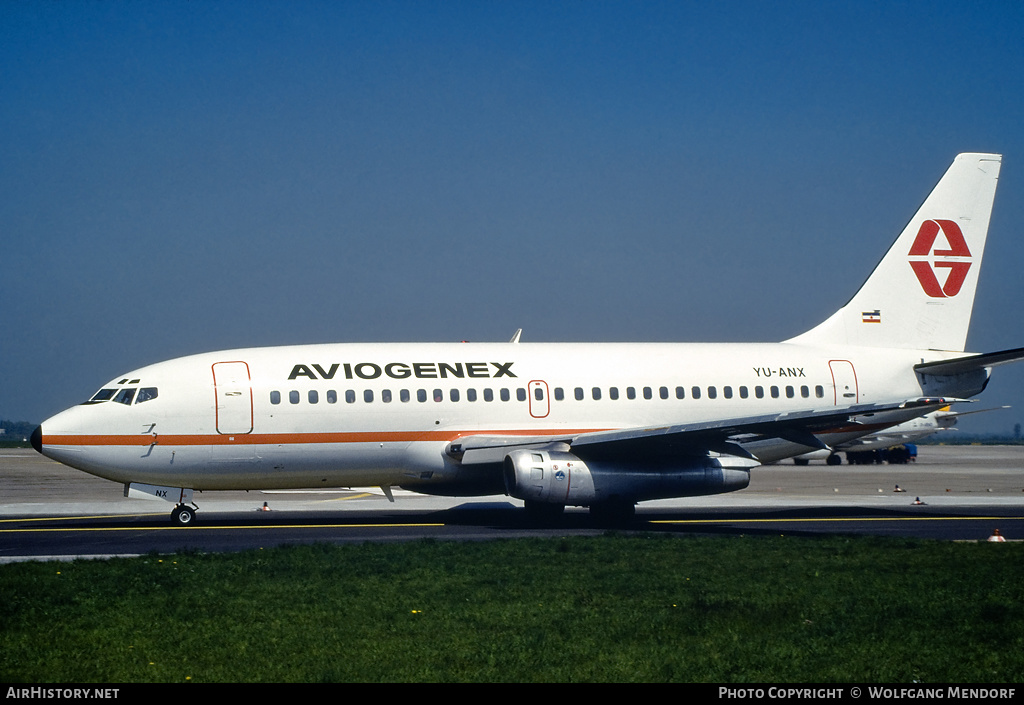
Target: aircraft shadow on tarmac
{"x":502,"y":519}
{"x":794,"y":522}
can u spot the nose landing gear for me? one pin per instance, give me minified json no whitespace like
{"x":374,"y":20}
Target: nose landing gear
{"x":183,"y":514}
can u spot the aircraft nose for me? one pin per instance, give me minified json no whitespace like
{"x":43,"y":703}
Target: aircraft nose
{"x":37,"y":439}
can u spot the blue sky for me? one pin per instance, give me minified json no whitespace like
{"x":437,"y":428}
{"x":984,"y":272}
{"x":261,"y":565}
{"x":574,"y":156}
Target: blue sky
{"x":182,"y":177}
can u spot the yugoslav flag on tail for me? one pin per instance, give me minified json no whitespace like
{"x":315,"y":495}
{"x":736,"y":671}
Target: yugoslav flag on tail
{"x":921,"y":294}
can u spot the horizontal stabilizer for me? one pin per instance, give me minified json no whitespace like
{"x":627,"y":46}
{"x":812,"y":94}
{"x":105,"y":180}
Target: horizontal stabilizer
{"x":970,"y":363}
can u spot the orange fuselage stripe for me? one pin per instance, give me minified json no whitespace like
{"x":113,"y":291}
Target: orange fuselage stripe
{"x":292,"y":438}
{"x":327,"y":437}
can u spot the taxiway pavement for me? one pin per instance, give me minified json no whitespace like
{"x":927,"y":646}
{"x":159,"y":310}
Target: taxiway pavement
{"x":47,"y":509}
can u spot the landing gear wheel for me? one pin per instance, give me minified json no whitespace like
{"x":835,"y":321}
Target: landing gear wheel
{"x":183,"y":515}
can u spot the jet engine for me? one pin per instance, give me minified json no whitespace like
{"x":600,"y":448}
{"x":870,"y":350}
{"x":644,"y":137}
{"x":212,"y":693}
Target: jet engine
{"x":559,"y":477}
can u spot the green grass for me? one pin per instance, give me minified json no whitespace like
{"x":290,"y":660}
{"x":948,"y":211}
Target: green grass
{"x":611,"y":608}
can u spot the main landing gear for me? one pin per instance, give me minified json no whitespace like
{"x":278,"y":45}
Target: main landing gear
{"x":183,"y":515}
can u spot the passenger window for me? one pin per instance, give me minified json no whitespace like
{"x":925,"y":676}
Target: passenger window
{"x":385,"y":396}
{"x":630,"y":392}
{"x":293,"y":397}
{"x":578,"y":392}
{"x":404,"y":395}
{"x":454,"y":395}
{"x":421,"y":395}
{"x":819,"y":391}
{"x":727,"y":392}
{"x":596,"y":393}
{"x":559,"y":394}
{"x":275,"y":397}
{"x":505,"y":396}
{"x":712,"y":393}
{"x":146,"y":394}
{"x":368,"y":396}
{"x":743,"y":392}
{"x":470,"y":394}
{"x":613,"y":393}
{"x":488,"y":394}
{"x":805,"y":392}
{"x":759,"y":392}
{"x":438,"y":395}
{"x":313,"y":396}
{"x":695,"y":392}
{"x":663,"y":392}
{"x":350,"y":396}
{"x":775,"y":392}
{"x":538,"y":393}
{"x":521,"y":394}
{"x":332,"y":396}
{"x":790,"y":392}
{"x":648,"y":393}
{"x":680,"y":393}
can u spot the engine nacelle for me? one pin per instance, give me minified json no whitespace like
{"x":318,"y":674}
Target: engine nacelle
{"x":559,"y":477}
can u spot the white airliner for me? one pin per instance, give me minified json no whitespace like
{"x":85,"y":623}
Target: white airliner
{"x":597,"y":425}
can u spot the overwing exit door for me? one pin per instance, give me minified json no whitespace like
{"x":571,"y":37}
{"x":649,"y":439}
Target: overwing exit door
{"x":540,"y":405}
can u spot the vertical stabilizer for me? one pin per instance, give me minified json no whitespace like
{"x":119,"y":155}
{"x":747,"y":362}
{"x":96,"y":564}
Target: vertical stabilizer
{"x":922,"y":292}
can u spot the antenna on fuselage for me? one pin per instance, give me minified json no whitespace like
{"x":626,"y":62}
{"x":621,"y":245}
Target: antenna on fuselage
{"x":515,"y":337}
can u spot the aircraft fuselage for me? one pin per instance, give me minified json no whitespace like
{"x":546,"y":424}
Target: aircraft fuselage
{"x":365,"y":414}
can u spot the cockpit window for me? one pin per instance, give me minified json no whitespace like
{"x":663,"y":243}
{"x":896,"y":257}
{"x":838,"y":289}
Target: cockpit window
{"x":102,"y":395}
{"x":125,"y":396}
{"x":145,"y":394}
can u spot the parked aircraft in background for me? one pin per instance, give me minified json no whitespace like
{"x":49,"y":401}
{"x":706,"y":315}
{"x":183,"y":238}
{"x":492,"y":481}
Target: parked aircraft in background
{"x":873,"y":448}
{"x":597,"y":425}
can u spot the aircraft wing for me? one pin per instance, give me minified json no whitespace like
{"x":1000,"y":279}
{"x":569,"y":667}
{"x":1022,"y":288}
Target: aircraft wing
{"x":958,"y":414}
{"x":726,"y":436}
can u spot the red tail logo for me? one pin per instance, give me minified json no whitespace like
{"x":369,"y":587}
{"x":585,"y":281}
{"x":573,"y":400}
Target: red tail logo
{"x":926,"y":258}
